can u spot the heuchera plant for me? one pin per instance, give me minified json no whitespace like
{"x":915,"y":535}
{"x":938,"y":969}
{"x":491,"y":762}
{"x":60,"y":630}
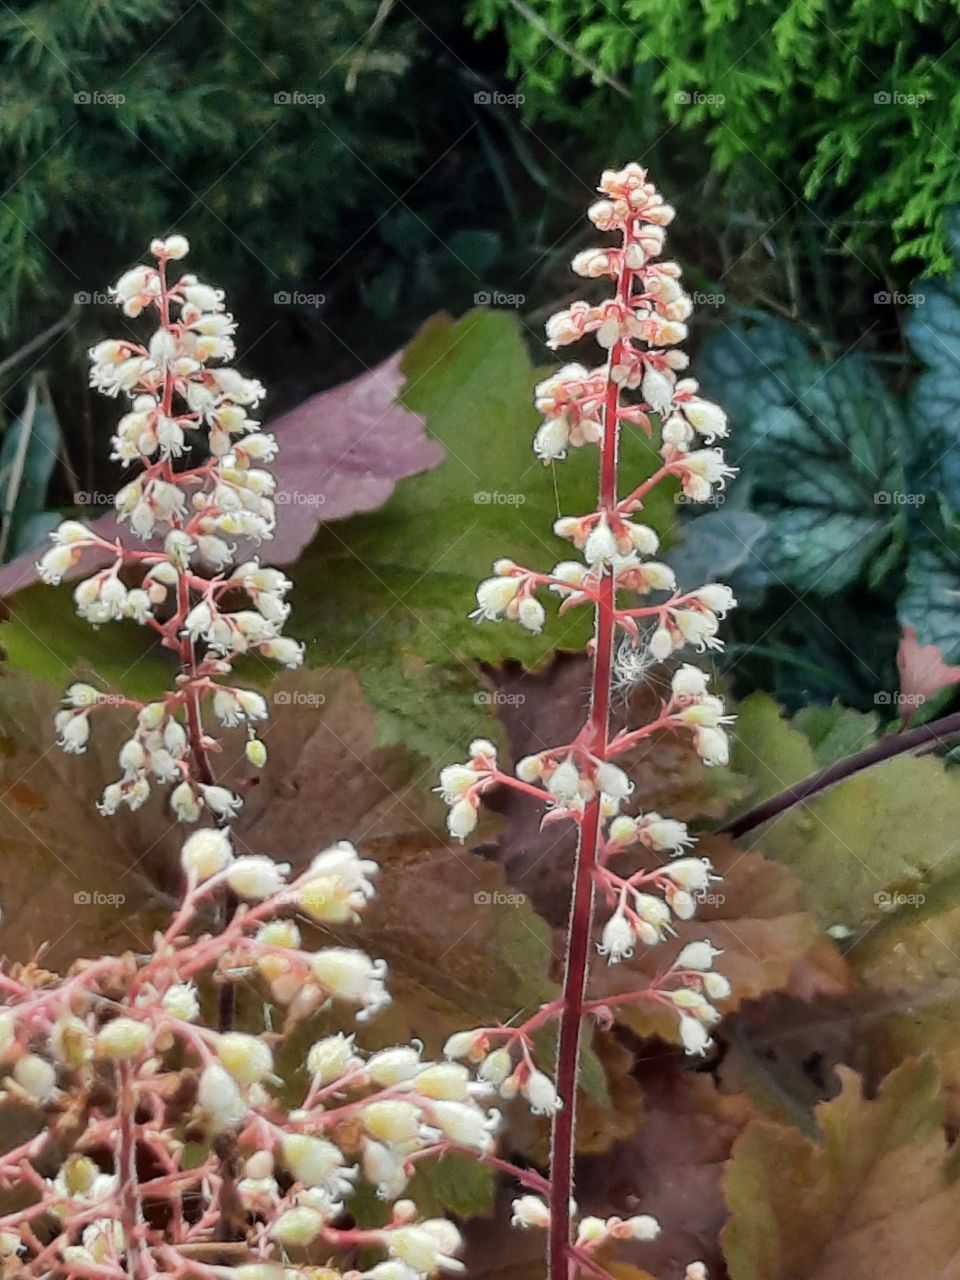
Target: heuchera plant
{"x":188,"y":588}
{"x":165,"y":1145}
{"x":580,"y":781}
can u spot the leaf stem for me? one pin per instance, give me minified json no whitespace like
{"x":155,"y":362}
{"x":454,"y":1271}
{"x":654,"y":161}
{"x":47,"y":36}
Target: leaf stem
{"x":895,"y":744}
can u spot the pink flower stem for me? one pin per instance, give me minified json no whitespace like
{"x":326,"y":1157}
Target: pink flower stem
{"x":581,"y":910}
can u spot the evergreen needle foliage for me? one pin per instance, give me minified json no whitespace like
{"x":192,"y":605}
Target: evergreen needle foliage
{"x":853,"y":106}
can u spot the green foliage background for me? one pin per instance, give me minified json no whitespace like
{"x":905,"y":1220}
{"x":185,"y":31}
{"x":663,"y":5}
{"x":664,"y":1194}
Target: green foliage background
{"x":851,"y":105}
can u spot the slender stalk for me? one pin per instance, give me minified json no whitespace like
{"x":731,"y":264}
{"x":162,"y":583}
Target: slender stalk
{"x":897,"y":744}
{"x":581,"y":909}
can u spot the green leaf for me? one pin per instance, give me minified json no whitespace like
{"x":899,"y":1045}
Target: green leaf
{"x":822,"y":447}
{"x":930,"y":601}
{"x":38,"y":462}
{"x":857,"y":847}
{"x":390,"y":593}
{"x":932,"y":328}
{"x":456,"y":1184}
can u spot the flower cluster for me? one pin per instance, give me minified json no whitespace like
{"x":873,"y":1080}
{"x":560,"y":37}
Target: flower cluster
{"x":131,"y":1084}
{"x":202,"y":482}
{"x":641,"y":620}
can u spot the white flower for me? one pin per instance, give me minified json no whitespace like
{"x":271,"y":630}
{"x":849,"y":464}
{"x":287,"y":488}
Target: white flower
{"x":531,"y":614}
{"x":697,"y":955}
{"x":219,"y":1097}
{"x":689,"y":682}
{"x":256,"y":877}
{"x":74,"y":731}
{"x":206,"y":852}
{"x":717,"y":597}
{"x":386,"y":1169}
{"x":220,"y":801}
{"x":298,"y":1226}
{"x":601,"y":546}
{"x":462,"y":818}
{"x":541,"y":1094}
{"x":689,"y":873}
{"x":331,"y":1058}
{"x":530,"y":1211}
{"x":247,"y":1058}
{"x":495,"y":1067}
{"x":8,"y":1031}
{"x":665,"y":833}
{"x":642,"y":1227}
{"x":122,"y":1038}
{"x":618,"y":939}
{"x":180,"y":1001}
{"x":716,"y":986}
{"x":657,"y":389}
{"x":351,"y":975}
{"x":313,"y":1161}
{"x":391,"y":1066}
{"x":464,"y":1044}
{"x":427,"y":1247}
{"x":464,"y":1124}
{"x":493,"y":597}
{"x":36,"y":1077}
{"x":391,"y":1120}
{"x":711,"y":745}
{"x":694,"y":1036}
{"x":612,"y":780}
{"x":564,"y":782}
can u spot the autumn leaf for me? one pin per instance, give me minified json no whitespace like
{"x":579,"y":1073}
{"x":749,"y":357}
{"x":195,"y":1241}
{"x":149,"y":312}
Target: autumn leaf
{"x":754,"y":916}
{"x":871,"y":1196}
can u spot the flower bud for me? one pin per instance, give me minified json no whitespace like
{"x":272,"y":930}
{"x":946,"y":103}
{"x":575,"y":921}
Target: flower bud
{"x":247,"y":1058}
{"x":297,"y":1226}
{"x":206,"y":852}
{"x":36,"y":1077}
{"x":181,"y":1002}
{"x":312,"y":1161}
{"x":256,"y":877}
{"x":123,"y":1038}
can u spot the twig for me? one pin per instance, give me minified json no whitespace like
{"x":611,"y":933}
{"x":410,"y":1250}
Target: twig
{"x":888,"y":748}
